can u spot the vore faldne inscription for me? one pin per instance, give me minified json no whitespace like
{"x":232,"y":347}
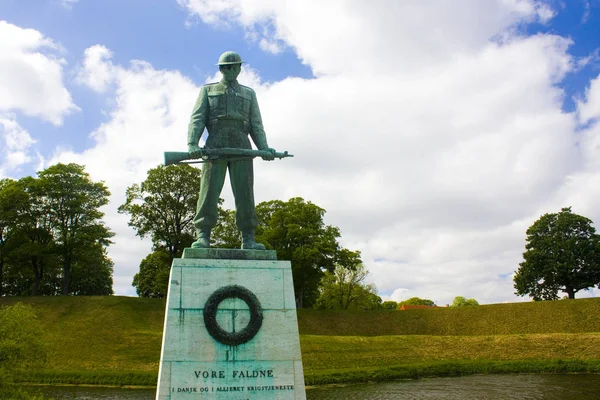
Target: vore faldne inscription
{"x":235,"y":374}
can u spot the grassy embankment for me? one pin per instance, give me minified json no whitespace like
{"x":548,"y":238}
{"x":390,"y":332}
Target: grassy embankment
{"x":116,"y":340}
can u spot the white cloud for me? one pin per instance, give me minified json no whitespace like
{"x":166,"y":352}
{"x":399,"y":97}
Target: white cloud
{"x":433,"y":136}
{"x":97,"y":71}
{"x":589,"y":108}
{"x":68,"y":4}
{"x":400,"y":294}
{"x":15,"y":143}
{"x":31,"y":75}
{"x":586,"y":13}
{"x":591,"y":59}
{"x":270,"y":46}
{"x":341,"y":36}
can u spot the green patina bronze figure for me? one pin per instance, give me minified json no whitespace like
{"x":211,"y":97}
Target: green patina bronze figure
{"x":229,"y":112}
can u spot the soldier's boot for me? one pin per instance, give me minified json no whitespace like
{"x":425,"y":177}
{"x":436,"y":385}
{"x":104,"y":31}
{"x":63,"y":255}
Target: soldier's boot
{"x":248,"y":242}
{"x":203,"y":241}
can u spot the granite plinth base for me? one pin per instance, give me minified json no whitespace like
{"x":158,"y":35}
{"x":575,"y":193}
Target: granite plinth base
{"x":231,"y":330}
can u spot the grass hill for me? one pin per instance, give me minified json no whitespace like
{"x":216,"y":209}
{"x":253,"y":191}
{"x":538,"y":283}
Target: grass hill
{"x":563,"y":316}
{"x":116,"y":340}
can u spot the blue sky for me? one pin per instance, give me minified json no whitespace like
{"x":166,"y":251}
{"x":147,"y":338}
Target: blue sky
{"x":433,"y":134}
{"x":580,"y":21}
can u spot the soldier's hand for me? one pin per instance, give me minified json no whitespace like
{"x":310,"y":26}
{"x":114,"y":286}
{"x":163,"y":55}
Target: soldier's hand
{"x":194,"y":150}
{"x":270,"y":156}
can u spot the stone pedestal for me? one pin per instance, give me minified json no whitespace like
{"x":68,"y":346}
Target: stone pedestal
{"x":231,"y":330}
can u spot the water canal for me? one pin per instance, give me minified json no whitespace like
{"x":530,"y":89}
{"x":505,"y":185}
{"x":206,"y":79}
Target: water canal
{"x":479,"y":387}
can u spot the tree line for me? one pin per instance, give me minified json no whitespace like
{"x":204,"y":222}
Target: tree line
{"x":459,"y":301}
{"x":52,"y":237}
{"x":53,"y":241}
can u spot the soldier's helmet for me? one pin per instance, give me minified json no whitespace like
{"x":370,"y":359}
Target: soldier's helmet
{"x":230,"y":57}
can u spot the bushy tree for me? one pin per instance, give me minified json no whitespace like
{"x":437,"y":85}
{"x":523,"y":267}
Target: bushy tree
{"x":389,"y":305}
{"x":226,"y":234}
{"x":416,"y":301}
{"x":51,"y":227}
{"x":153,"y":278}
{"x":366,"y":298}
{"x":8,"y":214}
{"x":163,"y":207}
{"x":28,"y":244}
{"x":349,"y":274}
{"x":345,"y":288}
{"x":460,"y":301}
{"x":333,"y":293}
{"x":5,"y":219}
{"x":295,"y":229}
{"x":72,"y":201}
{"x":562,"y":254}
{"x":92,"y":272}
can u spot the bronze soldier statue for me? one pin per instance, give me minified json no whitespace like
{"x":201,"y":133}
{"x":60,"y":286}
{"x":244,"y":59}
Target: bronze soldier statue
{"x":229,"y":112}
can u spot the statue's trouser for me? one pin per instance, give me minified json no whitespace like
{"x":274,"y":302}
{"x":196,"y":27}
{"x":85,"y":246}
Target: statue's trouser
{"x":241,"y":176}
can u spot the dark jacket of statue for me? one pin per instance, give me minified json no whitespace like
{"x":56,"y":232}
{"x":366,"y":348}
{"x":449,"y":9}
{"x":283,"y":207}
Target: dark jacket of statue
{"x":229,"y":113}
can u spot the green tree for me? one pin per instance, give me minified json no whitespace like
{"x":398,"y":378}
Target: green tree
{"x":50,"y":227}
{"x":6,"y":216}
{"x":562,"y":254}
{"x":153,"y":278}
{"x":389,"y":305}
{"x":72,"y":202}
{"x":92,"y":272}
{"x":30,"y":263}
{"x":460,"y":301}
{"x":345,"y":288}
{"x":21,"y":346}
{"x":416,"y":301}
{"x":163,"y":207}
{"x":295,"y":229}
{"x":226,"y":234}
{"x":338,"y":286}
{"x":366,"y":298}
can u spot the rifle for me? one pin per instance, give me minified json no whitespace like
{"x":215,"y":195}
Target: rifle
{"x":219,"y":154}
